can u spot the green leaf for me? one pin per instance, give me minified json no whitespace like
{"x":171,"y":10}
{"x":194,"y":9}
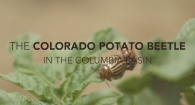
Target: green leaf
{"x":78,"y":76}
{"x":103,"y":97}
{"x":12,"y":99}
{"x":188,"y":80}
{"x":168,"y":92}
{"x":138,"y":83}
{"x":170,"y":73}
{"x":188,"y":30}
{"x":49,"y":71}
{"x":159,"y":92}
{"x":103,"y":35}
{"x":56,"y":69}
{"x":151,"y":90}
{"x":171,"y":64}
{"x":148,"y":97}
{"x":36,"y":102}
{"x":17,"y":99}
{"x":126,"y":100}
{"x":189,"y":96}
{"x":23,"y":58}
{"x":32,"y":84}
{"x":40,"y":79}
{"x":79,"y":80}
{"x":179,"y":62}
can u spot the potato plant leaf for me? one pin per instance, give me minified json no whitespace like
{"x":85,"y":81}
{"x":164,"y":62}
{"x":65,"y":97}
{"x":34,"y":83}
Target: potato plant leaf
{"x":78,"y":76}
{"x":188,"y":30}
{"x":189,"y":96}
{"x":126,"y":100}
{"x":170,"y":73}
{"x":18,"y":99}
{"x":168,"y":92}
{"x":103,"y":97}
{"x":40,"y":79}
{"x":156,"y":92}
{"x":31,"y":83}
{"x":23,"y":58}
{"x":179,"y":62}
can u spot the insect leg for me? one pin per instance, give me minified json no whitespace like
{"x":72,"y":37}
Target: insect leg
{"x":107,"y":83}
{"x":94,"y":70}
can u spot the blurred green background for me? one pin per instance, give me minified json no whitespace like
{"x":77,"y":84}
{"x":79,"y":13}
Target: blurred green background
{"x":74,"y":21}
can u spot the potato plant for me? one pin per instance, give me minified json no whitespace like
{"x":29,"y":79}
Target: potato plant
{"x":169,"y":79}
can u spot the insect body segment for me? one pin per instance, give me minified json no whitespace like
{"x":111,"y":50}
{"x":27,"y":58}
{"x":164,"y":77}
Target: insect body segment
{"x":105,"y":72}
{"x":129,"y":58}
{"x":111,"y":68}
{"x":117,"y":65}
